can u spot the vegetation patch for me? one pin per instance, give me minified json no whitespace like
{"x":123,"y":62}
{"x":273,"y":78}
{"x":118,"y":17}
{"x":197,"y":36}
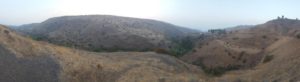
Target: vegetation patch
{"x":182,"y":46}
{"x":219,"y":71}
{"x":298,"y":36}
{"x":264,"y":37}
{"x":37,"y":38}
{"x":114,"y":49}
{"x":268,"y":58}
{"x":6,"y":31}
{"x":235,"y":38}
{"x":161,"y":51}
{"x":216,"y":71}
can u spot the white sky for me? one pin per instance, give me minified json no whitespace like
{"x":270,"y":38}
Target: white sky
{"x":198,"y":14}
{"x":132,"y":8}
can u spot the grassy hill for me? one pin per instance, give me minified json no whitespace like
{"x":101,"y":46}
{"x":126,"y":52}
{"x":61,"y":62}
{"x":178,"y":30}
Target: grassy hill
{"x":242,"y":49}
{"x":105,"y":33}
{"x":26,"y":60}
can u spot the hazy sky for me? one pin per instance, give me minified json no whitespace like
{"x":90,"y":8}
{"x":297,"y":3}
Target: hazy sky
{"x":199,"y":14}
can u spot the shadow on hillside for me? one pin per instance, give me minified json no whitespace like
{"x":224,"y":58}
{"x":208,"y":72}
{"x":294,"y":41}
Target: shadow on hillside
{"x":35,"y":69}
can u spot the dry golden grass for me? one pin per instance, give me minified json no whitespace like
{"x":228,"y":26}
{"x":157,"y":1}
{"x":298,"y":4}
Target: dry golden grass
{"x":276,"y":38}
{"x":83,"y":66}
{"x":284,"y":67}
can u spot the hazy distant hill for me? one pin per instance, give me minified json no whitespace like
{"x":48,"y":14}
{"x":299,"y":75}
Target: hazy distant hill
{"x":239,"y":27}
{"x":108,"y":33}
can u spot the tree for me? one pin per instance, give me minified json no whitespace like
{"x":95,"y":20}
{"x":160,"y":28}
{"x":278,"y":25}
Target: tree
{"x":217,"y":31}
{"x":268,"y":58}
{"x":161,"y":51}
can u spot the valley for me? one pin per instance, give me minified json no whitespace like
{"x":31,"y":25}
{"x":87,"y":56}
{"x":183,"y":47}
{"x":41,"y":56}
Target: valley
{"x":105,"y":48}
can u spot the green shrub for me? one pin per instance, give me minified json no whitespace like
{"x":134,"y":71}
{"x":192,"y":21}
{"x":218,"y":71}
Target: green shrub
{"x":268,"y":58}
{"x":235,"y":38}
{"x":178,"y":51}
{"x":219,"y":71}
{"x":298,"y":36}
{"x":216,"y":71}
{"x":182,"y":46}
{"x":6,"y":31}
{"x":160,"y":50}
{"x":37,"y":38}
{"x":194,"y":50}
{"x":97,"y":50}
{"x":116,"y":49}
{"x":264,"y":37}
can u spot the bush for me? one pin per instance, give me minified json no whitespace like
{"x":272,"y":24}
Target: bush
{"x":160,"y":50}
{"x":219,"y":71}
{"x":268,"y":58}
{"x":118,"y":49}
{"x":241,"y":55}
{"x":97,"y":50}
{"x":194,"y":50}
{"x":264,"y":37}
{"x":235,"y":38}
{"x":37,"y":38}
{"x":217,"y":31}
{"x":298,"y":36}
{"x":6,"y":31}
{"x":182,"y":46}
{"x":244,"y":61}
{"x":216,"y":71}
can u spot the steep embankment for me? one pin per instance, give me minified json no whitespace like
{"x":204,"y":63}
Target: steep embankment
{"x":22,"y":59}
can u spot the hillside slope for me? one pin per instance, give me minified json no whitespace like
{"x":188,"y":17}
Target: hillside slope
{"x":283,"y":67}
{"x":108,"y":33}
{"x":241,"y":49}
{"x":25,"y":60}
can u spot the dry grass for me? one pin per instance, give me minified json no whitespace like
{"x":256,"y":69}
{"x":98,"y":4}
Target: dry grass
{"x":82,"y":66}
{"x":275,"y":41}
{"x":283,"y":67}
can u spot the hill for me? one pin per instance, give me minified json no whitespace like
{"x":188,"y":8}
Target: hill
{"x":282,"y":66}
{"x":25,"y":60}
{"x":265,"y":52}
{"x":109,"y":33}
{"x":243,"y":49}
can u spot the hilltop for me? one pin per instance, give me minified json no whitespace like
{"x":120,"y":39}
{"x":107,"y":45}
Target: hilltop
{"x":109,"y":33}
